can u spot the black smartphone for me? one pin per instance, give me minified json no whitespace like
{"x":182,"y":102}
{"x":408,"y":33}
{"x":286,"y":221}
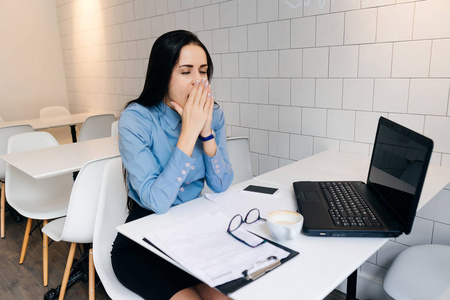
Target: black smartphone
{"x":261,"y":189}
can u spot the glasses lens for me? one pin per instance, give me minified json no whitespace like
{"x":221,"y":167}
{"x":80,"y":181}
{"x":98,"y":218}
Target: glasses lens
{"x":252,"y":216}
{"x":235,"y":223}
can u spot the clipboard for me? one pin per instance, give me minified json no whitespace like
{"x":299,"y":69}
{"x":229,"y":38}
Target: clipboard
{"x":250,"y":276}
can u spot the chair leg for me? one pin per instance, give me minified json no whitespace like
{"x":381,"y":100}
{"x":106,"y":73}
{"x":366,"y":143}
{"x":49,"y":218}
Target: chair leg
{"x":3,"y":203}
{"x":91,"y":276}
{"x":45,"y":255}
{"x":25,"y":240}
{"x":73,"y":247}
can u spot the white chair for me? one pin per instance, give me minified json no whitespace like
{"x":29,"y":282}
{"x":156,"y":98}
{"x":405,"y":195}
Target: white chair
{"x":40,"y":199}
{"x":5,"y":134}
{"x":95,"y":127}
{"x":112,"y":212}
{"x":78,"y":226}
{"x":115,"y":128}
{"x":420,"y":272}
{"x":1,"y":120}
{"x":53,"y":111}
{"x":239,"y":153}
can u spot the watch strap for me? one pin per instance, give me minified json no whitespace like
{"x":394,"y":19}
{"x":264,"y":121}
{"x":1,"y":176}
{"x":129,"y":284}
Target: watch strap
{"x":204,"y":139}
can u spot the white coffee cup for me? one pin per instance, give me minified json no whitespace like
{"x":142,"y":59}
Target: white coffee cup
{"x":284,"y":224}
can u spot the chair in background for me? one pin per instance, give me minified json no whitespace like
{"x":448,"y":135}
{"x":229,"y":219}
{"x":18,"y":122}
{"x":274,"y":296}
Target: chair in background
{"x":115,"y":128}
{"x":1,"y":120}
{"x":5,"y":134}
{"x":40,"y":199}
{"x":95,"y":127}
{"x":112,"y":212}
{"x":239,"y":153}
{"x":420,"y":272}
{"x":53,"y":111}
{"x":78,"y":226}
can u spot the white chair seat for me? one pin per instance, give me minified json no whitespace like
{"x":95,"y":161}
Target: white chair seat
{"x":420,"y":272}
{"x":54,"y":229}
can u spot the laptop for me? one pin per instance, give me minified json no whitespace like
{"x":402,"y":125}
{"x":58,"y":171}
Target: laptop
{"x":384,"y":206}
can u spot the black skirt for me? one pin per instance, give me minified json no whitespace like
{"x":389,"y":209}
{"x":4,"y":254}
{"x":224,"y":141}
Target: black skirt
{"x":144,"y":272}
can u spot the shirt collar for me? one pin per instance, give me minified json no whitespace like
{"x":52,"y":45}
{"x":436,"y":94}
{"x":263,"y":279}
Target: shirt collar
{"x":169,"y":115}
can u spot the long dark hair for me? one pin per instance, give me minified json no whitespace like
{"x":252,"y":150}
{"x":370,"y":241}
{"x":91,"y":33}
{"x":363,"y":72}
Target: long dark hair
{"x":163,"y":57}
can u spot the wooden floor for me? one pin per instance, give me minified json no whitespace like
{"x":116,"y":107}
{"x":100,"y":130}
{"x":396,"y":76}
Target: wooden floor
{"x":25,"y":281}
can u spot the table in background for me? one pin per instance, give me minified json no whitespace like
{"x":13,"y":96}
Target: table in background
{"x":323,"y":262}
{"x":70,"y":120}
{"x":57,"y":160}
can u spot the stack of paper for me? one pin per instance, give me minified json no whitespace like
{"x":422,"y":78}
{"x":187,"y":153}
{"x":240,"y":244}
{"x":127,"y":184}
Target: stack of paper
{"x":208,"y":252}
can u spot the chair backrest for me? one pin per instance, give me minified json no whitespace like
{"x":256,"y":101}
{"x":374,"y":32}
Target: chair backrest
{"x":5,"y":134}
{"x":111,"y":212}
{"x":95,"y":127}
{"x":115,"y":128}
{"x":22,"y":189}
{"x":239,"y":153}
{"x":82,"y":210}
{"x":53,"y":111}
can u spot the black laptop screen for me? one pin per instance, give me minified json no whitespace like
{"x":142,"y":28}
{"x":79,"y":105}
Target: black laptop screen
{"x":397,"y":167}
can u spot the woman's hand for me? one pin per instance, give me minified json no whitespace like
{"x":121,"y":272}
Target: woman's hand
{"x":196,"y":115}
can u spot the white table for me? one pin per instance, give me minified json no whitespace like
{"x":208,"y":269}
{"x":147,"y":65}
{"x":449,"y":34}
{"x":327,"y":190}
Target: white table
{"x":316,"y":271}
{"x":70,"y":120}
{"x":62,"y":159}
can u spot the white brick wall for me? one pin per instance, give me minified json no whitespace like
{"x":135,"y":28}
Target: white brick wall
{"x":296,"y":76}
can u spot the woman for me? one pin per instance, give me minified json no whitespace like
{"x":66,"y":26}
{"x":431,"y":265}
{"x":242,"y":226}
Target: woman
{"x":171,"y":139}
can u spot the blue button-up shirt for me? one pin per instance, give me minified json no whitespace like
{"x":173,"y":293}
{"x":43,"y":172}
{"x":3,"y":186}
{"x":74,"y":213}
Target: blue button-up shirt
{"x":159,"y":174}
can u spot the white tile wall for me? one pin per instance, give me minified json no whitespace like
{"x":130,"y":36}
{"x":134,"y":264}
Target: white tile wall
{"x":330,"y":30}
{"x":428,"y":96}
{"x":268,"y":117}
{"x":360,"y":26}
{"x":279,"y":91}
{"x":259,"y":90}
{"x":290,"y":119}
{"x":375,"y":60}
{"x":257,"y":37}
{"x":277,"y":144}
{"x":341,"y":124}
{"x":314,"y":121}
{"x":268,"y":64}
{"x":290,"y":63}
{"x":315,"y":62}
{"x":300,"y":146}
{"x":279,"y":35}
{"x":411,"y":59}
{"x":440,"y":60}
{"x":395,"y":22}
{"x":358,"y":94}
{"x":296,"y":76}
{"x":391,"y":95}
{"x":329,"y":93}
{"x":239,"y":89}
{"x":303,"y":32}
{"x":303,"y":92}
{"x":344,"y":61}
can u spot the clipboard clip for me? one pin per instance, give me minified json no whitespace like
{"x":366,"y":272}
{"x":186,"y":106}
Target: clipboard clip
{"x":261,"y":268}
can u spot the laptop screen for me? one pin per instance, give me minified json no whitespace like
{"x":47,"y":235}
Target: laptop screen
{"x":399,"y":162}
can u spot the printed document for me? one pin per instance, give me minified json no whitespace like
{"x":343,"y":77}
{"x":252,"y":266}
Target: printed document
{"x":203,"y":246}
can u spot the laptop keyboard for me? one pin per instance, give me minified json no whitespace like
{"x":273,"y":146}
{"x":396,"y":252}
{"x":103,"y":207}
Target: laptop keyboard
{"x":347,"y":207}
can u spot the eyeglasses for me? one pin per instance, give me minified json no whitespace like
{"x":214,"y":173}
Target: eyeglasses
{"x":251,"y":217}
